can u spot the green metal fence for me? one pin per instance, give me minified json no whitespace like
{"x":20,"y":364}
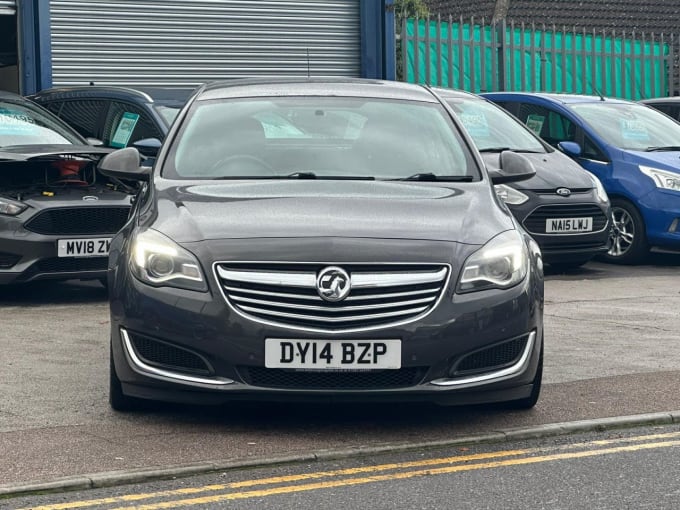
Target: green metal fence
{"x":478,"y":57}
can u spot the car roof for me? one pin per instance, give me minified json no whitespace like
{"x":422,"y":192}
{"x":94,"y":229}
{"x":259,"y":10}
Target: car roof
{"x":555,"y":98}
{"x":655,"y":100}
{"x":347,"y":87}
{"x":455,"y":93}
{"x":158,"y":96}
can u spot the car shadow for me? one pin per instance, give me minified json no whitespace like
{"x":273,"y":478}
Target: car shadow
{"x":53,"y":292}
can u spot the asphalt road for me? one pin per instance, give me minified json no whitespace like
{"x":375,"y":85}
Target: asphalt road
{"x":631,"y":469}
{"x":611,"y":349}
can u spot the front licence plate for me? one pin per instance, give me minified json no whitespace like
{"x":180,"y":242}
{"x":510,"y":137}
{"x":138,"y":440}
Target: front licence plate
{"x":565,"y":225}
{"x":83,"y":247}
{"x":332,"y":355}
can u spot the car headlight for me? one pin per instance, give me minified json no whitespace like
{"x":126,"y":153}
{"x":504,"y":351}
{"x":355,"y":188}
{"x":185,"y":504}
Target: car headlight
{"x":510,"y":195}
{"x":662,"y":178}
{"x":599,"y":189}
{"x":10,"y":207}
{"x":157,"y":260}
{"x":501,"y":263}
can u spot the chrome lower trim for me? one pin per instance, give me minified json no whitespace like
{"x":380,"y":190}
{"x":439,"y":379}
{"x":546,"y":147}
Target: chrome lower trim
{"x":166,"y":375}
{"x":492,"y":377}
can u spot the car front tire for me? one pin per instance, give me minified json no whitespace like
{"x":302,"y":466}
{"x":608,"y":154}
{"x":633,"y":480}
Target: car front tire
{"x":530,"y":401}
{"x":629,"y":238}
{"x":117,"y":399}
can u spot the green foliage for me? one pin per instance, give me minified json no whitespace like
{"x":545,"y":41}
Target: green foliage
{"x":410,"y":9}
{"x":404,"y":9}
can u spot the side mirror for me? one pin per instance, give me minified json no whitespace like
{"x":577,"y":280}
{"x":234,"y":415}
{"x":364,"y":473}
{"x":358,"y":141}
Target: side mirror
{"x":570,"y":149}
{"x":514,"y":168}
{"x":124,"y":164}
{"x":148,"y":146}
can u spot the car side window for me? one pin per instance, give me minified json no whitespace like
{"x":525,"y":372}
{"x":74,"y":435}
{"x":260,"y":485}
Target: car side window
{"x":590,"y":150}
{"x":82,"y":115}
{"x":549,"y":125}
{"x":126,"y":124}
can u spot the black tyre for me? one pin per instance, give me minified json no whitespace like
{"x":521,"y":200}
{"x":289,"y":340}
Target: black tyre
{"x":117,"y":399}
{"x":530,"y":401}
{"x":629,"y":237}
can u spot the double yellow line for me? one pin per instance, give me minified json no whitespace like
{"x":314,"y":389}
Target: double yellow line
{"x":372,"y":474}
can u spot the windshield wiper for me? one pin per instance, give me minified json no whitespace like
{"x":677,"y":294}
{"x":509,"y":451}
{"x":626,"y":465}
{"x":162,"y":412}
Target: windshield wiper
{"x":430,"y":177}
{"x":299,"y":175}
{"x":495,"y":149}
{"x":501,"y":149}
{"x":668,"y":148}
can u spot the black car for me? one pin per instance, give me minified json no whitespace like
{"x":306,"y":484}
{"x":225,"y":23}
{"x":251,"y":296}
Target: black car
{"x":668,"y":105}
{"x":316,"y":239}
{"x":117,"y":116}
{"x":57,"y":212}
{"x":564,"y":207}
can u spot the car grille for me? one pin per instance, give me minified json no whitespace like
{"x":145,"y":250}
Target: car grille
{"x":79,"y":221}
{"x":68,"y":265}
{"x":535,"y":222}
{"x":373,"y":379}
{"x":553,"y":191}
{"x":286,"y":294}
{"x":71,"y":264}
{"x":496,"y":357}
{"x":161,"y":354}
{"x":561,"y":245}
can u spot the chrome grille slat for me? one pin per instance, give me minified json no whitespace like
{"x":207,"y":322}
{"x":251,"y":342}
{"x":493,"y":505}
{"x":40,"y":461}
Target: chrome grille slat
{"x":367,"y":297}
{"x":335,"y":309}
{"x":335,"y":319}
{"x":285,"y":294}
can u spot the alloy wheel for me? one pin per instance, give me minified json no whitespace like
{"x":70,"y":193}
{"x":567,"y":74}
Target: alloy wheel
{"x":623,"y":233}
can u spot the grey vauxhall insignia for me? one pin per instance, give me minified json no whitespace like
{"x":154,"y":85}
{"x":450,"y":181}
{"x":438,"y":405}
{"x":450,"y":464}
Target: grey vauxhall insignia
{"x":322,"y":240}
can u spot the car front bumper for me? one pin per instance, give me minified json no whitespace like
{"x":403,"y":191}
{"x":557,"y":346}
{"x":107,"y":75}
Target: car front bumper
{"x":154,"y":329}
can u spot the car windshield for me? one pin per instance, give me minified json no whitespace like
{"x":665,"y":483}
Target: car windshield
{"x":491,"y":128}
{"x":24,"y":125}
{"x":629,"y":125}
{"x":168,"y":113}
{"x":319,"y":137}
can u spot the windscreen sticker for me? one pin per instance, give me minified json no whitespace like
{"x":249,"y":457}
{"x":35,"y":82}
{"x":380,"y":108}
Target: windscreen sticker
{"x":124,"y":130}
{"x":535,"y":123}
{"x":633,"y":130}
{"x":475,"y":124}
{"x":14,"y":122}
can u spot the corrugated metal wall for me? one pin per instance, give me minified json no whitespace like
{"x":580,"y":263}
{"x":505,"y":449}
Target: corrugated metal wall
{"x":183,"y":43}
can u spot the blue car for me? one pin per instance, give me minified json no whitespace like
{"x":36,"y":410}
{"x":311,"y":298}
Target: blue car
{"x":633,"y":149}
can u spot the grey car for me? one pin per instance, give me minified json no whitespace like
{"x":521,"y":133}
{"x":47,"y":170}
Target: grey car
{"x":57,"y":212}
{"x":564,"y":207}
{"x":322,"y":240}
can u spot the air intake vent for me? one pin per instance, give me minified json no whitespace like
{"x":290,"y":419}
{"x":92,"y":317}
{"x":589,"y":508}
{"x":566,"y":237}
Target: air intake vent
{"x":373,"y":379}
{"x":492,"y":358}
{"x":164,"y":355}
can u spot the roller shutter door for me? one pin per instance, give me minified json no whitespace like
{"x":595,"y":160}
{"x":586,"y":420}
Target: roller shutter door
{"x":8,"y":7}
{"x":183,"y":43}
